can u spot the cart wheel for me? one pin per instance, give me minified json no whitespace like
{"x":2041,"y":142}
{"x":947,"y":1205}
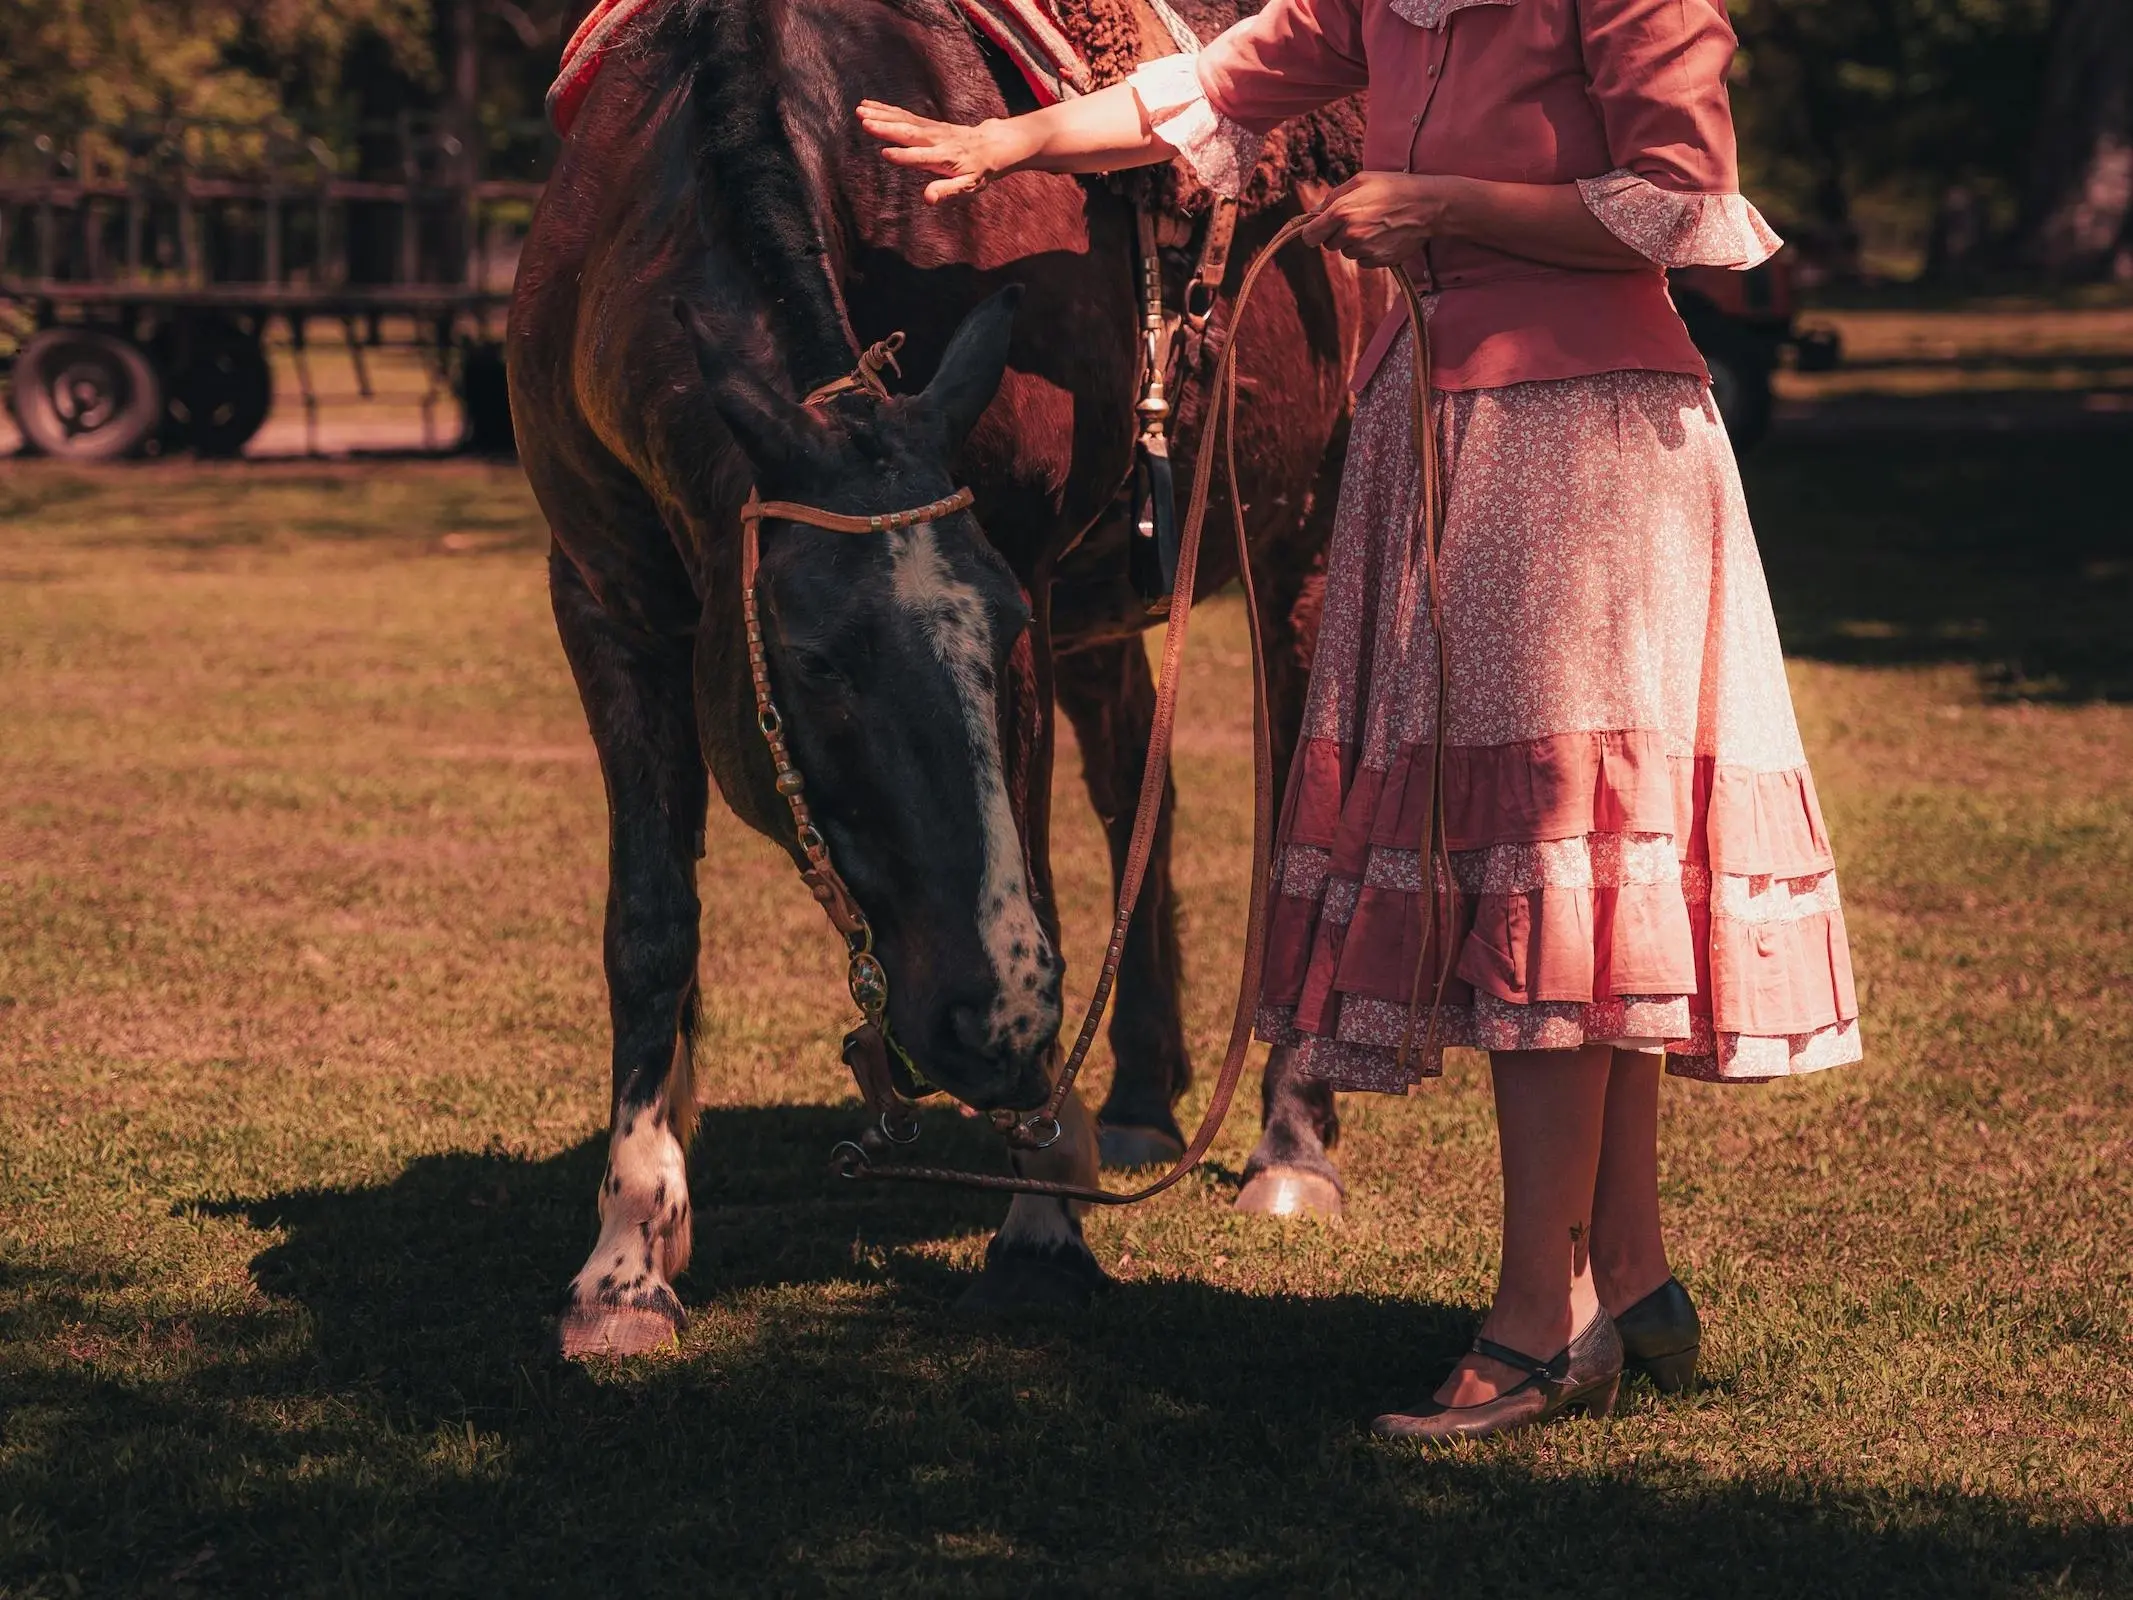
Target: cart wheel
{"x":224,"y":391}
{"x":85,"y":395}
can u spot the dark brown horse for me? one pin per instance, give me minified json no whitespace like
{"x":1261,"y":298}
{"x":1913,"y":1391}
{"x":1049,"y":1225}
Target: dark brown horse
{"x":717,"y":238}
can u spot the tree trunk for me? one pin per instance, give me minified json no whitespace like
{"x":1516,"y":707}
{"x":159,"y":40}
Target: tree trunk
{"x":2077,"y":212}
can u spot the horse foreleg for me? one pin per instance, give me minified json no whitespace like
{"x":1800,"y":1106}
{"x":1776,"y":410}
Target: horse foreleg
{"x":1039,"y":1260}
{"x":1108,"y":693}
{"x":638,"y":702}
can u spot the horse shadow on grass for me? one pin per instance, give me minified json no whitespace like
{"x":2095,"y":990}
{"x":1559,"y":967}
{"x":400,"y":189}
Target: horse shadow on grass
{"x":831,"y":1426}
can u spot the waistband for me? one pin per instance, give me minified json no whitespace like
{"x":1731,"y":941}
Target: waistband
{"x":1509,"y":321}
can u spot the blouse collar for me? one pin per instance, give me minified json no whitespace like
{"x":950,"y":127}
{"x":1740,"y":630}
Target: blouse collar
{"x":1432,"y":13}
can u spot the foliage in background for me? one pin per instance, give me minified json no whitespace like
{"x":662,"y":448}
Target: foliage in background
{"x":109,"y":60}
{"x":1872,"y":116}
{"x":1945,"y":135}
{"x":2078,"y":207}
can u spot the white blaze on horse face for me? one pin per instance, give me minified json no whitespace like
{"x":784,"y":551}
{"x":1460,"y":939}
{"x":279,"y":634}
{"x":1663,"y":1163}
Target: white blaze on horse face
{"x":951,"y":616}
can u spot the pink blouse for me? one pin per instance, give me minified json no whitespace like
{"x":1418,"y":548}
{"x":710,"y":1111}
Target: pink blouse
{"x":1625,"y":98}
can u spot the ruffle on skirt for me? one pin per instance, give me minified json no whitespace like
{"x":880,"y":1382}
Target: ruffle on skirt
{"x":1602,"y":890}
{"x":1669,"y":878}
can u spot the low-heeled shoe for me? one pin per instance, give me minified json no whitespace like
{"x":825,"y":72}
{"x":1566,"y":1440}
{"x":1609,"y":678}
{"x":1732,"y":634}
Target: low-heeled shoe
{"x":1661,"y":1336}
{"x":1582,"y":1376}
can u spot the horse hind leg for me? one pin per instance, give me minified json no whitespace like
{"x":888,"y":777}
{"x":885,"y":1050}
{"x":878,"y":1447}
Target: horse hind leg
{"x":638,"y":703}
{"x":1289,"y":1172}
{"x":1108,"y":693}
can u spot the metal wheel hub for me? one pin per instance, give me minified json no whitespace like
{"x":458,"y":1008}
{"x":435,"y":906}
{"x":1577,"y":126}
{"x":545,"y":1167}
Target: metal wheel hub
{"x":87,"y":393}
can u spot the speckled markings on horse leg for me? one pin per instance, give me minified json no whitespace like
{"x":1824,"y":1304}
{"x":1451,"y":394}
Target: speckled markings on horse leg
{"x":622,"y":1301}
{"x":952,"y":617}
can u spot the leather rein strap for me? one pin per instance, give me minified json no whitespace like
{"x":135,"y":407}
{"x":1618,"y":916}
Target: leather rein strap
{"x":1221,"y":411}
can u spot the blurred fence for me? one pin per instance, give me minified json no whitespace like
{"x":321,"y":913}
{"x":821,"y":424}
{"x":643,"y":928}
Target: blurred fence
{"x":142,"y":265}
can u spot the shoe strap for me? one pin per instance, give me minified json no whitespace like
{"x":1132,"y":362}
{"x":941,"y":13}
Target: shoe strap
{"x":1554,"y":1371}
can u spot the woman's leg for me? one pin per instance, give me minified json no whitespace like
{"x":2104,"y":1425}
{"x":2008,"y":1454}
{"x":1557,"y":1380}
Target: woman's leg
{"x":1628,"y":1252}
{"x":1550,"y":1107}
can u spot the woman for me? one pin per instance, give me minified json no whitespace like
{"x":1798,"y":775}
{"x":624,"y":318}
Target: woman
{"x":1642,"y":869}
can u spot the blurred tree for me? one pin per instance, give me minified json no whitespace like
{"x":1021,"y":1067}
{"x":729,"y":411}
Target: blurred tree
{"x":2077,"y":214}
{"x":1920,"y":111}
{"x":1950,"y":127}
{"x":104,"y":60}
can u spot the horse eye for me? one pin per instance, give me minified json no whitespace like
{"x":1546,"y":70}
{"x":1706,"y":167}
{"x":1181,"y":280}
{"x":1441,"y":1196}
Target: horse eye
{"x":815,"y":664}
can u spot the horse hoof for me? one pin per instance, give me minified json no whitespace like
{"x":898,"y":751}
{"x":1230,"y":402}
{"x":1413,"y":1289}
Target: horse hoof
{"x":1290,"y":1192}
{"x":1137,"y":1147}
{"x":615,"y":1331}
{"x":1032,"y":1281}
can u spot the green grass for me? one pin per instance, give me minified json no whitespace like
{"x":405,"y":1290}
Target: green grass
{"x":302,"y":1095}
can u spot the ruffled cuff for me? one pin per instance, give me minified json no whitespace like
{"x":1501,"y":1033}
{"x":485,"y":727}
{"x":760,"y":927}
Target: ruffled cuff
{"x":1679,"y":230}
{"x":1221,"y":153}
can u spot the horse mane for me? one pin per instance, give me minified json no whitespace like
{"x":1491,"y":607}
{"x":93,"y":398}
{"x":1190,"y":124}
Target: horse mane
{"x":753,"y":176}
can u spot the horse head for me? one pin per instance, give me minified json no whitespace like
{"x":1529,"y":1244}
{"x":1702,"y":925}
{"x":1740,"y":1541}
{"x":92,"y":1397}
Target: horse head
{"x":886,"y":653}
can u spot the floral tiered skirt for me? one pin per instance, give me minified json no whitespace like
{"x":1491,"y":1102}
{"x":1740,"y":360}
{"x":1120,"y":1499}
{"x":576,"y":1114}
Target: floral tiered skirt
{"x":1637,"y":854}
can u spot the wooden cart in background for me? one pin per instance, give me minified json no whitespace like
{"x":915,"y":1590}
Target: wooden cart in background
{"x":143,"y":267}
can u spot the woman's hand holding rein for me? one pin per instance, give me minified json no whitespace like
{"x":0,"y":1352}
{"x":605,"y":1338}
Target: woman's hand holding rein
{"x":1380,"y":219}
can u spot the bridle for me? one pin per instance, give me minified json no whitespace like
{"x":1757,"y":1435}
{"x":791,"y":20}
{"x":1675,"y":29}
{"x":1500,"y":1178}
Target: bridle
{"x":867,"y":1049}
{"x":864,"y":974}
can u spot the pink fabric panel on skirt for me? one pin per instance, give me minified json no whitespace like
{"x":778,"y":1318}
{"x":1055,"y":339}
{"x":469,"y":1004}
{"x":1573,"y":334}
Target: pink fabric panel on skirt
{"x":1638,"y":850}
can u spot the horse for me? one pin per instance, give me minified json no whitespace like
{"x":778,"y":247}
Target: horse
{"x":718,"y":237}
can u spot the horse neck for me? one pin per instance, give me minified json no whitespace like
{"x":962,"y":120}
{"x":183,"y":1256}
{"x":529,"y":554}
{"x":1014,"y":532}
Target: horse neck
{"x":910,"y":57}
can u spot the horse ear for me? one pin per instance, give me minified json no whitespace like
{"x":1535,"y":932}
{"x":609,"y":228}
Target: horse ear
{"x":770,"y":429}
{"x":970,"y":371}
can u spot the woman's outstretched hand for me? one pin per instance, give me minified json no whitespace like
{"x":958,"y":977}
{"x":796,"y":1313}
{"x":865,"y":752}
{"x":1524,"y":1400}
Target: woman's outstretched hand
{"x":1100,"y":132}
{"x":962,"y":160}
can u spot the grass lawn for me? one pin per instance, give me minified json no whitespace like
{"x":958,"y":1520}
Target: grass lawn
{"x":302,"y":1100}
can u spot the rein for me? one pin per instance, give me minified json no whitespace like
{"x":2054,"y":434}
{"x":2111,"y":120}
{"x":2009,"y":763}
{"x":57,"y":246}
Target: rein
{"x":869,"y":983}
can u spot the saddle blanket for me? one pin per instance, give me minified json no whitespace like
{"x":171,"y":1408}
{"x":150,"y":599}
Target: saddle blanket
{"x":1027,"y":30}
